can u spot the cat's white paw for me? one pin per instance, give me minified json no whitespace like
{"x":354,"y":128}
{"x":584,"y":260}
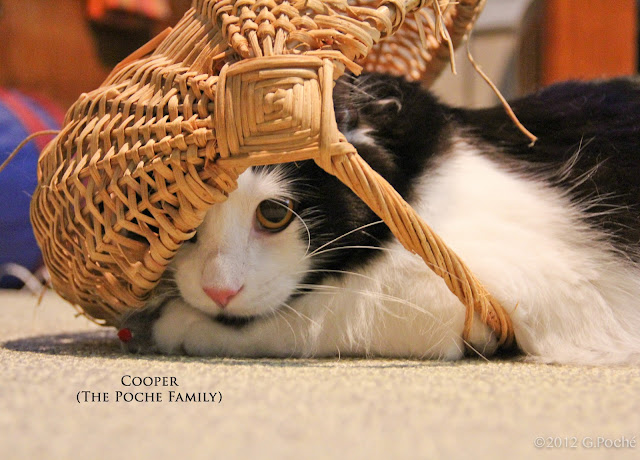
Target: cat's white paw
{"x":175,"y":325}
{"x":182,"y":329}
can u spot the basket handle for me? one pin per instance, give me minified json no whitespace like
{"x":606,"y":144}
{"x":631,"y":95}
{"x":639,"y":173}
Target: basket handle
{"x":270,"y":30}
{"x":417,"y":237}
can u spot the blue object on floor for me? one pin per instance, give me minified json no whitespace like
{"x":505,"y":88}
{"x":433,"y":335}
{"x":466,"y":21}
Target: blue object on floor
{"x":20,"y":116}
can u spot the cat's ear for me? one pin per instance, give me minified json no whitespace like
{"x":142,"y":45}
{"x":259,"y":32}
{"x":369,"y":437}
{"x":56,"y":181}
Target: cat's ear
{"x":384,"y":109}
{"x":390,"y":105}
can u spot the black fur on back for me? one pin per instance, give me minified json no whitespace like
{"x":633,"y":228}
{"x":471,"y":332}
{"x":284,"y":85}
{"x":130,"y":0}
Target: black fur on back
{"x":588,"y":141}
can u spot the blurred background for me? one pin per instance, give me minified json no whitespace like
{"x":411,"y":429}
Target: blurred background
{"x":524,"y":45}
{"x":52,"y":51}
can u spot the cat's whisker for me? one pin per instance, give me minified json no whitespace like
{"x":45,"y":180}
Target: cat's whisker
{"x":282,"y":315}
{"x":300,"y":314}
{"x":389,"y":250}
{"x":378,"y":295}
{"x":474,"y":349}
{"x":343,"y":272}
{"x":371,"y":224}
{"x":339,"y":248}
{"x":306,"y":227}
{"x":427,"y":351}
{"x":479,"y":353}
{"x":372,"y":237}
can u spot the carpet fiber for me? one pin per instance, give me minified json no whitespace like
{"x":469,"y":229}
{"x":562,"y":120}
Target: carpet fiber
{"x":302,"y":409}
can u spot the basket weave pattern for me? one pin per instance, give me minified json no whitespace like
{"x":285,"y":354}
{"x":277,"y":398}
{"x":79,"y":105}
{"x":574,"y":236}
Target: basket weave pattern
{"x":236,"y":83}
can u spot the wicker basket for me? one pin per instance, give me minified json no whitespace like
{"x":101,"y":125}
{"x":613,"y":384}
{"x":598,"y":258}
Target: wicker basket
{"x":236,"y":83}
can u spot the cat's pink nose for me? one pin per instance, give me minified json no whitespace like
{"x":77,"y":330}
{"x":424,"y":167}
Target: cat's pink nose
{"x":221,"y":296}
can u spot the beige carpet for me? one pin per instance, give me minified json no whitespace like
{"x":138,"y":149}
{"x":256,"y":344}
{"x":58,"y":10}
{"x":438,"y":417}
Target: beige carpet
{"x":298,"y":409}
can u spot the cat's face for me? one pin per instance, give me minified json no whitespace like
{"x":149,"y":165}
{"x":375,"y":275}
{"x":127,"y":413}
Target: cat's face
{"x":241,"y":266}
{"x":249,"y":253}
{"x":285,"y":228}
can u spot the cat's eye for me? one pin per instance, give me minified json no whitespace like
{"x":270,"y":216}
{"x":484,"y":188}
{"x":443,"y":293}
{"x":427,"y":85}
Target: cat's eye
{"x":274,"y":215}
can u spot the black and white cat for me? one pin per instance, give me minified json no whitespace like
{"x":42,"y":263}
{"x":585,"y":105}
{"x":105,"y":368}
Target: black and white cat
{"x":294,"y":264}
